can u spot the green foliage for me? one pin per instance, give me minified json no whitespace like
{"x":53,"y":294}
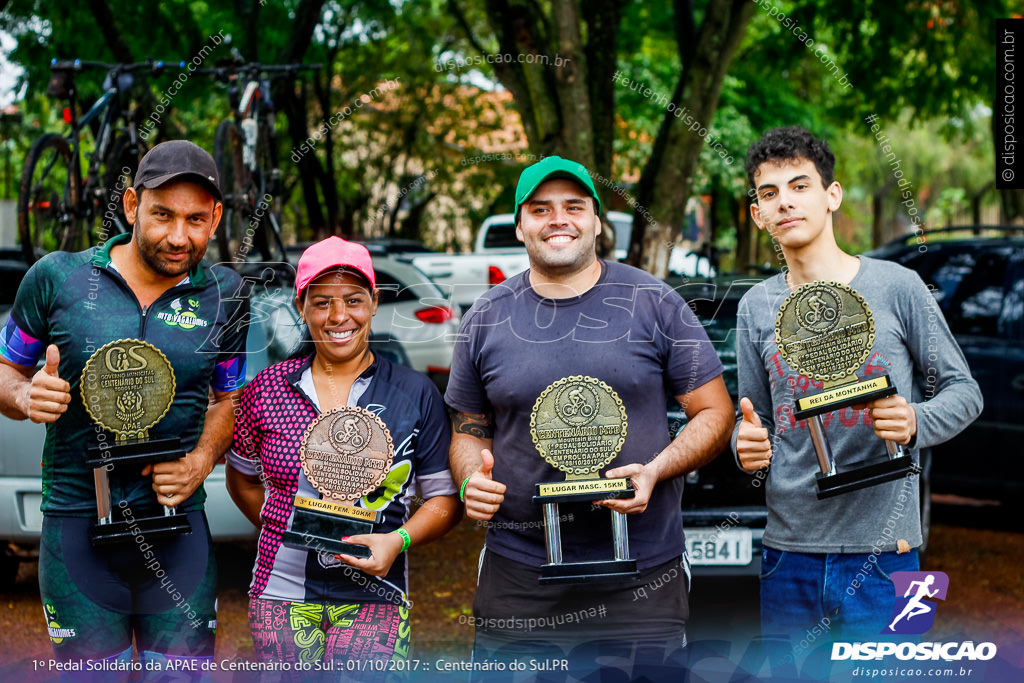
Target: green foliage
{"x":923,"y":68}
{"x":373,"y":157}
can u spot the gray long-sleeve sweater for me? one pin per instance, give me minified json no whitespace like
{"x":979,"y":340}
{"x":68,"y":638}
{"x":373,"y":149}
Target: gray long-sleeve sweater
{"x":914,"y":346}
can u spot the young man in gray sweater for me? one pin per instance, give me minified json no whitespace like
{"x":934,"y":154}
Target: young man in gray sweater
{"x":826,"y":563}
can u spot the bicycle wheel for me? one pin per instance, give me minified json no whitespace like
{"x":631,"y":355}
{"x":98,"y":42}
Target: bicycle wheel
{"x":118,"y":174}
{"x":227,"y":155}
{"x":48,"y":198}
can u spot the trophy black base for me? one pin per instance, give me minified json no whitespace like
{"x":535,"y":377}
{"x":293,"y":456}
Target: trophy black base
{"x":323,"y":531}
{"x":130,"y":453}
{"x":122,"y":531}
{"x":588,"y":572}
{"x":866,"y":475}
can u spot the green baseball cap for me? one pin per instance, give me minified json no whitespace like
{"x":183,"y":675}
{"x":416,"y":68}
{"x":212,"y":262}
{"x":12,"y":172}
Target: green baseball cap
{"x":550,"y":168}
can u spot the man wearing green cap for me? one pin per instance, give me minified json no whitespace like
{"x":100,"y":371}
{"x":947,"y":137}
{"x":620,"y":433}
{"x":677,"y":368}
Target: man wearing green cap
{"x":574,"y":319}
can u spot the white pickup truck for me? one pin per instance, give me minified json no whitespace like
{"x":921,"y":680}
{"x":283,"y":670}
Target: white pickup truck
{"x":498,"y":255}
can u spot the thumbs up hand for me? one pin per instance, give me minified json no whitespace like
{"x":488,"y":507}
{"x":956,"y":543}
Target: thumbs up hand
{"x":52,"y":360}
{"x":752,"y":444}
{"x":47,"y":396}
{"x":483,"y":495}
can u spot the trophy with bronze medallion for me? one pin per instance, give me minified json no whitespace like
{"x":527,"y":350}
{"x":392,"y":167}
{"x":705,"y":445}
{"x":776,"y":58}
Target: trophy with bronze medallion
{"x":127,"y":387}
{"x":578,"y":425}
{"x":346,"y":453}
{"x":825,"y":330}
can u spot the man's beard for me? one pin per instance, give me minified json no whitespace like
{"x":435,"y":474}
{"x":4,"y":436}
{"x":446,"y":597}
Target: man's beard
{"x":150,"y":254}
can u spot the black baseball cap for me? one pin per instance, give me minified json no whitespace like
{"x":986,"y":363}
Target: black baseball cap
{"x":178,"y":160}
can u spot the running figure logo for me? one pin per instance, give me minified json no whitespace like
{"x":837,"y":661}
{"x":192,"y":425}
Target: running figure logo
{"x":915,"y":612}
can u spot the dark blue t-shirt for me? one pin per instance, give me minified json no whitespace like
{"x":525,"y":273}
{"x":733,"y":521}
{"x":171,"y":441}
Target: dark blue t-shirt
{"x":631,"y":331}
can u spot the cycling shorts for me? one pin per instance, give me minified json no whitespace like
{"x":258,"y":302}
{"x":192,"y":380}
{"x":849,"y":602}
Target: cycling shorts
{"x":161,"y":591}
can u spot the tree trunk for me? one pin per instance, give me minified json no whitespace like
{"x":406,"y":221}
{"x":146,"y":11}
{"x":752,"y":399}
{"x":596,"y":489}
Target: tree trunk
{"x":322,"y":90}
{"x":714,"y":221}
{"x":664,"y":186}
{"x":571,"y":81}
{"x":602,"y":18}
{"x":876,"y":217}
{"x":976,"y":201}
{"x":248,"y":16}
{"x":311,"y":174}
{"x":566,"y":96}
{"x":745,"y":235}
{"x":106,"y":21}
{"x":567,"y":108}
{"x":309,"y":167}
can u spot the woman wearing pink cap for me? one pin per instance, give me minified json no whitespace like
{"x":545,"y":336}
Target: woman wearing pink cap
{"x":335,"y":611}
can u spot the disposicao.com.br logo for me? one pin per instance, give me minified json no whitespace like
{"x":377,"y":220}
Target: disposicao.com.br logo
{"x":914,"y":614}
{"x":915,"y":611}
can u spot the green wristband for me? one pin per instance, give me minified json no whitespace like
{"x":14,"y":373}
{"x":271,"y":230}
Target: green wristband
{"x":462,"y":491}
{"x":406,"y":540}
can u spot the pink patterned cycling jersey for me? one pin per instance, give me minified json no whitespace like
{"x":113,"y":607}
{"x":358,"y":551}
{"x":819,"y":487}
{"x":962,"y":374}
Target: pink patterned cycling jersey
{"x":272,"y":418}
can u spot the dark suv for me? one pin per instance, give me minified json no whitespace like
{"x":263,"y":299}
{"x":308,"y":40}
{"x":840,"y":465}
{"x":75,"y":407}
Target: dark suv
{"x":724,"y":511}
{"x":977,"y":277}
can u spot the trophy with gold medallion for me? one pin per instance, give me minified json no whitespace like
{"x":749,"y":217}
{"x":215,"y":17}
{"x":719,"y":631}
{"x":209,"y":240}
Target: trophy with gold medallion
{"x":346,"y":453}
{"x":127,"y":388}
{"x":578,"y":425}
{"x":825,"y":330}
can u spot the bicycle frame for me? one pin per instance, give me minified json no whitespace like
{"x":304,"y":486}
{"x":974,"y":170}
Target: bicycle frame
{"x":252,"y":159}
{"x":59,"y":210}
{"x":253,"y":112}
{"x":108,"y":109}
{"x":248,"y":119}
{"x":109,"y":106}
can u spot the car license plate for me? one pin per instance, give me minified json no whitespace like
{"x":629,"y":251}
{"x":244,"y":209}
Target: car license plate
{"x":719,"y":546}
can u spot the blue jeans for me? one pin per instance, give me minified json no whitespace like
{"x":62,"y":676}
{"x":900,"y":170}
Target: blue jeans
{"x":811,"y":597}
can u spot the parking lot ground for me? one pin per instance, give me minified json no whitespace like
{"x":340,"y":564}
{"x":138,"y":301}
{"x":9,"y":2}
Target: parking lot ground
{"x":981,"y":548}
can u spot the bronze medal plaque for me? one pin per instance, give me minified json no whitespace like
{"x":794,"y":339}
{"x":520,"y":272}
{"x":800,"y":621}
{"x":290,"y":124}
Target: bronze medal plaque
{"x":128,"y":387}
{"x":346,"y":453}
{"x":825,"y":330}
{"x":578,"y":425}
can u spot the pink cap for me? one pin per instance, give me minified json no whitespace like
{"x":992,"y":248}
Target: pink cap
{"x":331,"y":253}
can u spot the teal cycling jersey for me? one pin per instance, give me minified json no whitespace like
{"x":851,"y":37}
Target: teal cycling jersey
{"x":80,"y":302}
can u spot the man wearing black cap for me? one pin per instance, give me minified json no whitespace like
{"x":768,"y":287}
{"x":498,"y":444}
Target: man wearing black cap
{"x":549,"y":362}
{"x":152,"y":286}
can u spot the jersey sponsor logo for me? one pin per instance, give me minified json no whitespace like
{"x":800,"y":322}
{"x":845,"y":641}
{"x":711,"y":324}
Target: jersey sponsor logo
{"x":389,"y":489}
{"x":58,"y":634}
{"x":184,"y":314}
